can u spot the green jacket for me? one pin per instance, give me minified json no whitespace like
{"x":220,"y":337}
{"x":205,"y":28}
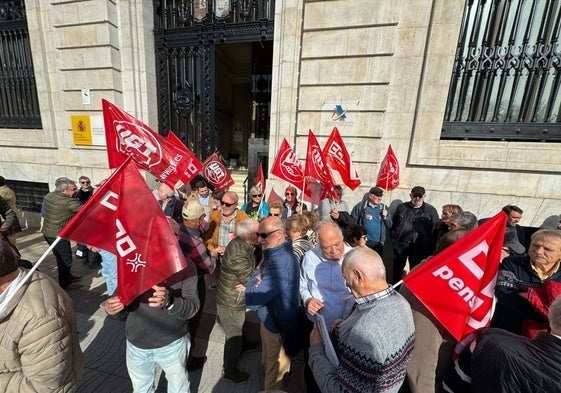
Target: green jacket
{"x":237,"y":267}
{"x":58,"y":210}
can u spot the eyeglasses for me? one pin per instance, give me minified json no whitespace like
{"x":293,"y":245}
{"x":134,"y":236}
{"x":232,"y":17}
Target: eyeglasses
{"x":227,"y":204}
{"x":265,"y":235}
{"x":85,"y":182}
{"x":417,"y":195}
{"x":257,"y":195}
{"x":289,"y":193}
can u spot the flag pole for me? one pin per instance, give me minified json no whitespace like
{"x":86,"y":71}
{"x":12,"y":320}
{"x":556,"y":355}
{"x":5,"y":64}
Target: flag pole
{"x":397,"y":284}
{"x":302,"y":197}
{"x":28,"y":275}
{"x":262,"y":199}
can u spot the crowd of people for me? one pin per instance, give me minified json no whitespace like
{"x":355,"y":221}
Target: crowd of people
{"x":322,"y":270}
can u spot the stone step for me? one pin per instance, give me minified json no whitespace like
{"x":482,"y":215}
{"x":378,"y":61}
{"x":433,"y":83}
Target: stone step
{"x":239,"y":177}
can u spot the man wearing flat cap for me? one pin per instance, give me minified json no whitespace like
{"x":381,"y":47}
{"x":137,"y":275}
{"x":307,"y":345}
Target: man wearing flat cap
{"x":411,"y":233}
{"x":373,"y":215}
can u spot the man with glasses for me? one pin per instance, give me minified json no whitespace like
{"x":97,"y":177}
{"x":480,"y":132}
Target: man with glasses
{"x":329,"y":208}
{"x":222,"y":228}
{"x":59,"y":207}
{"x":274,"y":289}
{"x":412,"y":230}
{"x":291,"y":205}
{"x":223,"y":224}
{"x":90,"y":258}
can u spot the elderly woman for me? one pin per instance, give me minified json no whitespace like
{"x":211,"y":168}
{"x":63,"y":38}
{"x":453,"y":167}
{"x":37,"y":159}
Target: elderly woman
{"x":520,"y":277}
{"x":296,"y":230}
{"x":256,"y":208}
{"x":275,"y":208}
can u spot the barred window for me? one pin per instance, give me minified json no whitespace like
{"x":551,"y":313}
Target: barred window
{"x":19,"y":106}
{"x":506,"y":76}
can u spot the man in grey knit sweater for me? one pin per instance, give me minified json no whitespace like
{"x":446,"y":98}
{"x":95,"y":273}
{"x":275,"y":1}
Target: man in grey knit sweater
{"x":375,"y":342}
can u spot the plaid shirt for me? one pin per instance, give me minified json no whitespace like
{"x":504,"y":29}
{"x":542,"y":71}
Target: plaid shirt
{"x":194,"y":249}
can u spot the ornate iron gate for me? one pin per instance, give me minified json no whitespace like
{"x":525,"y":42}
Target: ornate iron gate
{"x":507,"y":72}
{"x":186,"y":32}
{"x":19,"y":106}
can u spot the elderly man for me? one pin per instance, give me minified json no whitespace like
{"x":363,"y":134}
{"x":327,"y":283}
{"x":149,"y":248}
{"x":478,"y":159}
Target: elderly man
{"x":519,"y":275}
{"x":506,"y":362}
{"x":39,"y":344}
{"x":238,"y":265}
{"x":273,"y":292}
{"x":223,"y":224}
{"x":413,"y":226}
{"x":322,"y":285}
{"x":375,"y":342}
{"x":170,"y":204}
{"x":329,"y":208}
{"x":291,"y":205}
{"x":59,"y":207}
{"x":373,"y":215}
{"x":194,"y":249}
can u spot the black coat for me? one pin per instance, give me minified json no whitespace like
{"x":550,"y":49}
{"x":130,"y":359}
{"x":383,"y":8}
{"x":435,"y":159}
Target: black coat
{"x":506,"y":362}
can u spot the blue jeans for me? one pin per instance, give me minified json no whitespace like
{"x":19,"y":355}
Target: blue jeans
{"x":109,"y":271}
{"x":141,"y":365}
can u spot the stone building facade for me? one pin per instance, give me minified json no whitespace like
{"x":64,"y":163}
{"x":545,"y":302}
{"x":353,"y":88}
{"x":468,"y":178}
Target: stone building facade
{"x":387,"y":64}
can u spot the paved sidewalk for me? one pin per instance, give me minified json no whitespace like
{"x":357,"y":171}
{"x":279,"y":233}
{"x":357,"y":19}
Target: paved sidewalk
{"x":103,"y":339}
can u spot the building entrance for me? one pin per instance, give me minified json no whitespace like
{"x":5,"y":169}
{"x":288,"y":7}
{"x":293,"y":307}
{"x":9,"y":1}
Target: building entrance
{"x":214,"y":66}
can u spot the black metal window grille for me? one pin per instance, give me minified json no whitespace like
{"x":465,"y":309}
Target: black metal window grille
{"x":506,"y":77}
{"x":19,"y":106}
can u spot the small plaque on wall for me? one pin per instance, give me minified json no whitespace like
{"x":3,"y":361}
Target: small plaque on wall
{"x":88,"y":130}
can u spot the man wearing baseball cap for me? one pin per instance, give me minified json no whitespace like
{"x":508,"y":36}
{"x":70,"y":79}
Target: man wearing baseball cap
{"x":412,"y":230}
{"x":373,"y":215}
{"x":194,"y":248}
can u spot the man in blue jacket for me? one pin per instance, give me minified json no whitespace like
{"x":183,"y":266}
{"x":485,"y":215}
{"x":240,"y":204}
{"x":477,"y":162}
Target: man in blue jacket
{"x":274,"y":289}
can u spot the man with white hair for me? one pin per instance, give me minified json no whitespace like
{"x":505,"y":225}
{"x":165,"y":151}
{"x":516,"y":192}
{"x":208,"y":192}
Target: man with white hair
{"x":506,"y":362}
{"x":375,"y":342}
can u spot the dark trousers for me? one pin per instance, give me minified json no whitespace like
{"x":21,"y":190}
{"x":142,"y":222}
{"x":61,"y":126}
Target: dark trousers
{"x":415,"y":253}
{"x":63,"y":254}
{"x":196,"y":320}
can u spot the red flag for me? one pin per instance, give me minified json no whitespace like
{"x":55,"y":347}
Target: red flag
{"x":273,"y":196}
{"x":319,"y":183}
{"x":194,"y":166}
{"x":388,"y":177}
{"x":260,"y":178}
{"x":457,"y":285}
{"x":287,"y":167}
{"x":337,"y":157}
{"x":127,"y":136}
{"x":216,"y":173}
{"x":123,"y":217}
